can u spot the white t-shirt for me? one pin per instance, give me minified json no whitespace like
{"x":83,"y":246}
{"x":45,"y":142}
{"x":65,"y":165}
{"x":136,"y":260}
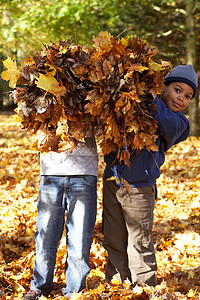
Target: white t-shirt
{"x":82,"y":161}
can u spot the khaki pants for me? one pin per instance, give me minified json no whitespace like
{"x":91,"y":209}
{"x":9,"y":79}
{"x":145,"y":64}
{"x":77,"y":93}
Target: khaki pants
{"x":127,"y":228}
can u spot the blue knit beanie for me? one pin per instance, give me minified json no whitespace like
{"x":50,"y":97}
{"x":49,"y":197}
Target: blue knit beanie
{"x":184,"y":74}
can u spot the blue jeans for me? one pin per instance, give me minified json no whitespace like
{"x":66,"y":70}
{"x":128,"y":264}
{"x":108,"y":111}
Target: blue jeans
{"x":78,"y":196}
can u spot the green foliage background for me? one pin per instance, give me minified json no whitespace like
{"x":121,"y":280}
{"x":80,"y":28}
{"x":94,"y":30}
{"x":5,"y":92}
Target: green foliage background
{"x":25,"y":25}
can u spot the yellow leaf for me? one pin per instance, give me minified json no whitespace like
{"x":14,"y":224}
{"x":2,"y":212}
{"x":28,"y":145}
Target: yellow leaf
{"x":76,"y":296}
{"x":64,"y":50}
{"x":137,"y":67}
{"x":191,"y":275}
{"x":124,"y":42}
{"x":115,"y":281}
{"x":96,"y":272}
{"x":43,"y":298}
{"x":17,"y":118}
{"x":154,"y":66}
{"x":12,"y":73}
{"x":191,"y":293}
{"x":51,"y":85}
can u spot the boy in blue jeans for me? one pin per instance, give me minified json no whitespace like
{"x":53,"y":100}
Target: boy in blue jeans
{"x":128,"y":213}
{"x":68,"y":183}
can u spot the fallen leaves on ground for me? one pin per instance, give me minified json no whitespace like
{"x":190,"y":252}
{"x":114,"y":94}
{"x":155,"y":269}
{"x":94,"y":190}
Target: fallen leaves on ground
{"x":176,"y":225}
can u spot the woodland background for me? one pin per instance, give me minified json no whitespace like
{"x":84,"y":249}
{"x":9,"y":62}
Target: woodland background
{"x":171,"y":26}
{"x":174,"y":28}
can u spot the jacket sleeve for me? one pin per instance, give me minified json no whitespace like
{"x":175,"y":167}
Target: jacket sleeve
{"x":173,"y":127}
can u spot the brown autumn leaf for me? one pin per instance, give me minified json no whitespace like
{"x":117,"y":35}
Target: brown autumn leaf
{"x":45,"y":141}
{"x":104,"y":42}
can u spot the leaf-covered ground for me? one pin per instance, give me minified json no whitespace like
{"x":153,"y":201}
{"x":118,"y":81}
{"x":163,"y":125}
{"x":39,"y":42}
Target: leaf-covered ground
{"x":176,"y":224}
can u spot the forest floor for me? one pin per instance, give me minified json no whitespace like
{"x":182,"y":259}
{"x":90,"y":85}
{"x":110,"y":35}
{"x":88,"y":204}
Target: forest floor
{"x":176,"y":225}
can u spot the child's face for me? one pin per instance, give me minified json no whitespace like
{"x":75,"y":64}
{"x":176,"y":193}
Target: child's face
{"x":177,"y":96}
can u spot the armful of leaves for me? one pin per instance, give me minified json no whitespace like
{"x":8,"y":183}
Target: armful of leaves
{"x":69,"y":92}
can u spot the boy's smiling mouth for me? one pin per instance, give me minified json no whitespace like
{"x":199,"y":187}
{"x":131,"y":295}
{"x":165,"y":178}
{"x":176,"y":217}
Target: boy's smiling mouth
{"x":176,"y":104}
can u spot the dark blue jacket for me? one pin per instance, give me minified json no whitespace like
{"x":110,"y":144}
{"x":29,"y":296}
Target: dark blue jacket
{"x":145,"y":165}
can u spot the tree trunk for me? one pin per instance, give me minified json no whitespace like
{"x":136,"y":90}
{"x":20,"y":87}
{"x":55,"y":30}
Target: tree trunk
{"x":194,"y":113}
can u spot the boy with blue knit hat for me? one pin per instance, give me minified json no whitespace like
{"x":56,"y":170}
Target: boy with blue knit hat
{"x":128,"y":213}
{"x":183,"y":74}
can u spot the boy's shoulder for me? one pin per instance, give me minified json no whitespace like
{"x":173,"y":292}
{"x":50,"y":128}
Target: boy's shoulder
{"x":173,"y":127}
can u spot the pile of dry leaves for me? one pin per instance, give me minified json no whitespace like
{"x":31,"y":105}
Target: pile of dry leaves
{"x":69,"y":92}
